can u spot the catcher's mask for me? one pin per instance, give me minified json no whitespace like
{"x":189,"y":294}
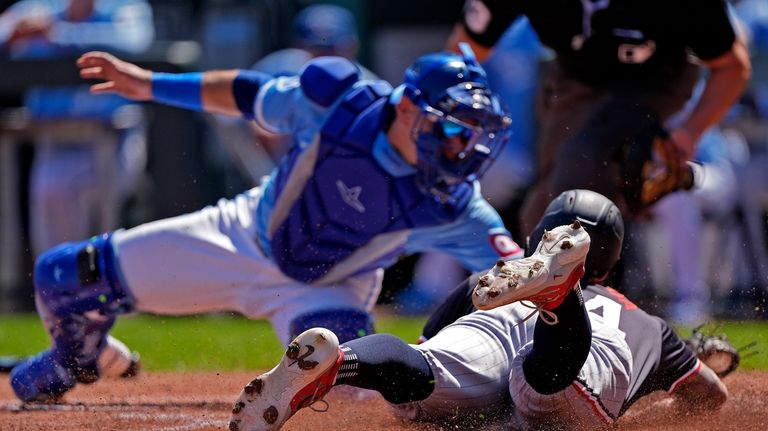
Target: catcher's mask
{"x":462,"y":125}
{"x":601,"y":219}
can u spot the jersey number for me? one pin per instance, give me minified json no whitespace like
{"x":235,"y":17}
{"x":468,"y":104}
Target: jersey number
{"x":608,"y":309}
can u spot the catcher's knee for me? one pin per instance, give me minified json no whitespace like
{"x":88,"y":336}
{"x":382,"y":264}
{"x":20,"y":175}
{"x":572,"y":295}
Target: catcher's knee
{"x":74,"y":278}
{"x":346,"y":323}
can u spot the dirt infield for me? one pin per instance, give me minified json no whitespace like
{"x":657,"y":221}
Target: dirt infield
{"x":202,"y":401}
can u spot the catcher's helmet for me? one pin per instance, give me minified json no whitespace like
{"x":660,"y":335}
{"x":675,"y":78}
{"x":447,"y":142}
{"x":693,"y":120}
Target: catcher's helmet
{"x":462,"y":126}
{"x":600,"y":218}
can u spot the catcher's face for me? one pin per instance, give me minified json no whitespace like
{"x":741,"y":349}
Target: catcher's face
{"x":399,"y":133}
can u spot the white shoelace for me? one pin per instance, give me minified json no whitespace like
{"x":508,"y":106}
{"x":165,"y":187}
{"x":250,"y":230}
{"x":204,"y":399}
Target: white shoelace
{"x":547,"y":316}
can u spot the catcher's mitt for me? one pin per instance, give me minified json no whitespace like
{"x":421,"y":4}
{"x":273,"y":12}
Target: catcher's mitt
{"x":715,"y":351}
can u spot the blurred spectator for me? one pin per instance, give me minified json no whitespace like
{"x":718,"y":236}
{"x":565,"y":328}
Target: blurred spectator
{"x":753,"y":15}
{"x":751,"y":119}
{"x":67,"y":180}
{"x":318,"y":30}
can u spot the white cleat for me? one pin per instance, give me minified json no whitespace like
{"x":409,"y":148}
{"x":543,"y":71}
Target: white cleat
{"x":544,"y":278}
{"x":305,"y":374}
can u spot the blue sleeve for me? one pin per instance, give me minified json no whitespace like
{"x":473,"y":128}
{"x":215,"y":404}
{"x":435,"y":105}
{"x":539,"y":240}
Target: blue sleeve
{"x":477,"y":239}
{"x":293,"y":104}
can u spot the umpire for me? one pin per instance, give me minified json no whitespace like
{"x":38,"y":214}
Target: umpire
{"x":622,"y":68}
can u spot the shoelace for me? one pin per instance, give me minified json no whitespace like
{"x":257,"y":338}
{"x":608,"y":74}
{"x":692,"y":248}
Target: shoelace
{"x":547,"y":316}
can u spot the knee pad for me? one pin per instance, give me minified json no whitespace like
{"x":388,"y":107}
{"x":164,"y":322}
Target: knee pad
{"x":74,"y":278}
{"x":346,"y":323}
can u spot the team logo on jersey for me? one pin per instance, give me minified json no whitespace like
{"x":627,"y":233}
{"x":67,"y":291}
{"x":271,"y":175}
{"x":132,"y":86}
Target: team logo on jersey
{"x":504,"y":246}
{"x":351,"y":195}
{"x":477,"y":16}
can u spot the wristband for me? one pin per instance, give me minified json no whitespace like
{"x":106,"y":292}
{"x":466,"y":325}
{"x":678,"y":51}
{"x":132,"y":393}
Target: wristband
{"x":182,"y":90}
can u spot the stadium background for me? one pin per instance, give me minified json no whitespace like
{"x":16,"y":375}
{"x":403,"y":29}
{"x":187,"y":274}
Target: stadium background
{"x":187,"y":167}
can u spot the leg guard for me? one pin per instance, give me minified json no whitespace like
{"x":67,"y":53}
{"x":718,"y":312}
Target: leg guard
{"x":346,"y":323}
{"x":75,"y":278}
{"x":78,"y":295}
{"x":77,"y":284}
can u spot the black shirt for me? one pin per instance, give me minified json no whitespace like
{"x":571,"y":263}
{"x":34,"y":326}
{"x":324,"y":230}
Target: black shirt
{"x":620,"y":41}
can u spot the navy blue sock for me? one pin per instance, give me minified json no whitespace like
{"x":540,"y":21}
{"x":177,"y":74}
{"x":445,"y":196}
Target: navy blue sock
{"x":386,"y":364}
{"x":559,"y":350}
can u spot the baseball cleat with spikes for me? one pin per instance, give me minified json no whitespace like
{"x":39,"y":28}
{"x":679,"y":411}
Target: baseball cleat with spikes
{"x":305,"y":374}
{"x":544,"y":278}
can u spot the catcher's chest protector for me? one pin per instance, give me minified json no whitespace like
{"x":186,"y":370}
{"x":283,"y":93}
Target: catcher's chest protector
{"x":349,"y":198}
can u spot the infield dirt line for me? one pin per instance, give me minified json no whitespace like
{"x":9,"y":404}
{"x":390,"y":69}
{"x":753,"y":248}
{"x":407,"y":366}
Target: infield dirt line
{"x":110,"y":407}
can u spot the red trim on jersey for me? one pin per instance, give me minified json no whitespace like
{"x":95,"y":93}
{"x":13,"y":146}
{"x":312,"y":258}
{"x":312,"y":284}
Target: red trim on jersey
{"x":505,"y":246}
{"x":692,"y":372}
{"x":628,"y":305}
{"x":591,"y":399}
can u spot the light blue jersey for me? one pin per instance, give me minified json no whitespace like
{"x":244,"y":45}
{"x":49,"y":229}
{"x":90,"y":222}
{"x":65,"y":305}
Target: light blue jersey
{"x":343,"y":201}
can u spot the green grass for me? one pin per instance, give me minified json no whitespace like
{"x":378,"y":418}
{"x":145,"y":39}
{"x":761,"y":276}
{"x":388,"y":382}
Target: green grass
{"x":208,"y":342}
{"x":229,"y":342}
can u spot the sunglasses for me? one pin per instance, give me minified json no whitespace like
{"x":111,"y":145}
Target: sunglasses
{"x":453,"y":128}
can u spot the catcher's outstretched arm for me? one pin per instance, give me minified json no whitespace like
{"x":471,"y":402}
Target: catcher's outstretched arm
{"x":210,"y":91}
{"x":701,"y":392}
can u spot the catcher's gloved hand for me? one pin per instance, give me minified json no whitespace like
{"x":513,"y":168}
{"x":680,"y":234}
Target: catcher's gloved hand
{"x":715,"y":351}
